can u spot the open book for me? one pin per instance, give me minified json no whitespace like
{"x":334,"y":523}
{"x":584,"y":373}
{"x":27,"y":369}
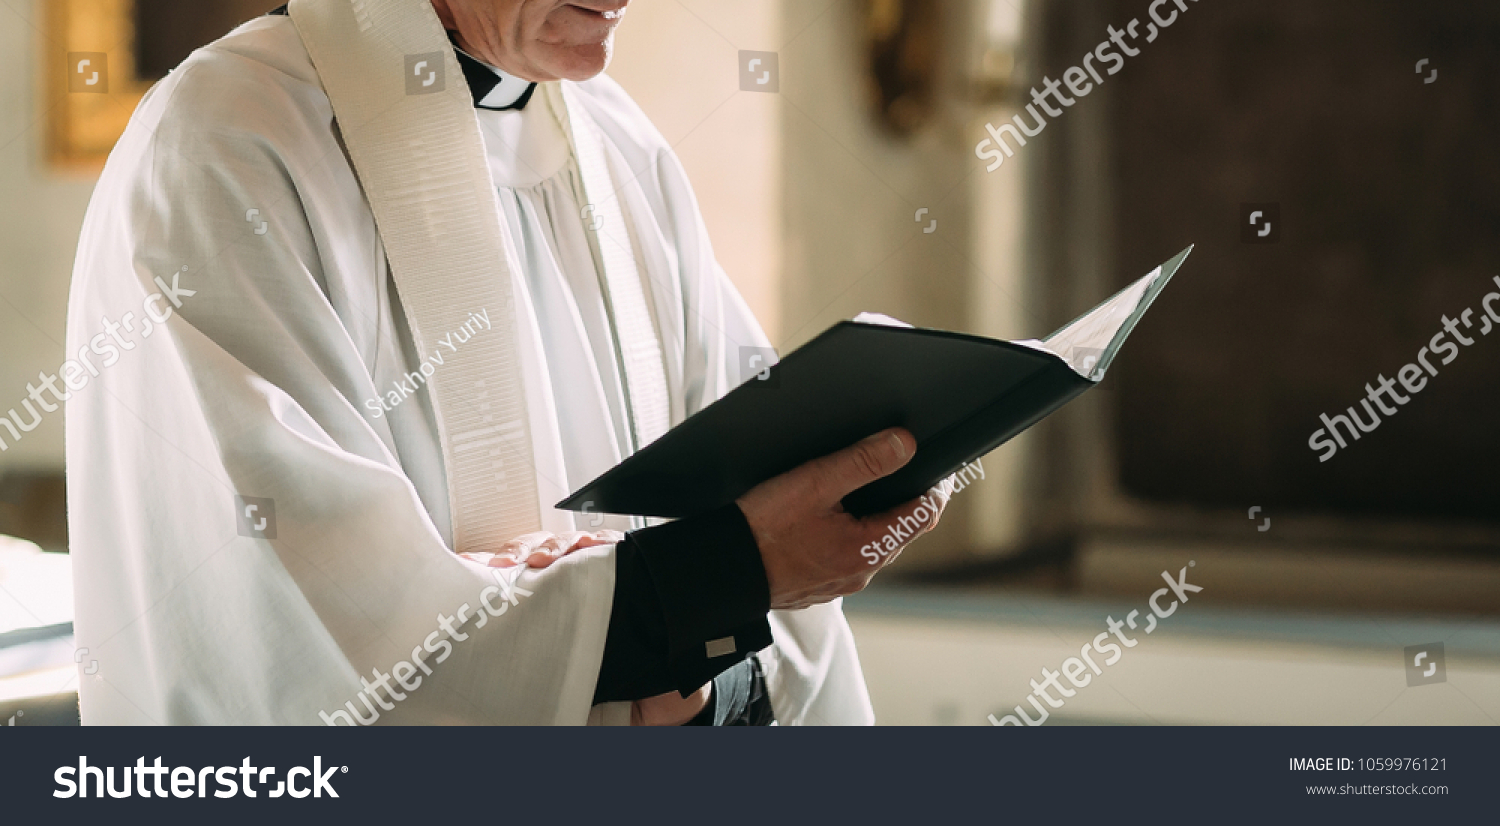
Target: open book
{"x":961,"y":396}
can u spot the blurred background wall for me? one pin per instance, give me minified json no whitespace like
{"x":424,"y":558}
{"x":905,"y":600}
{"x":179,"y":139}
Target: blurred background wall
{"x":41,"y":210}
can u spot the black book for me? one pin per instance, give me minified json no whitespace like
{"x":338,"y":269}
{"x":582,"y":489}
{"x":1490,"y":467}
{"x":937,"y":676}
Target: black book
{"x":960,"y":395}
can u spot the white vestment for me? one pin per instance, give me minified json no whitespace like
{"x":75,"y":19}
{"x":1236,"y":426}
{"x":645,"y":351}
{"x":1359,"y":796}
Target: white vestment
{"x":258,"y":507}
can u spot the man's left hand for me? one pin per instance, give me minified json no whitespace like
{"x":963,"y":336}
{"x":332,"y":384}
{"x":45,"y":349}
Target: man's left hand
{"x":541,"y":549}
{"x":670,"y":709}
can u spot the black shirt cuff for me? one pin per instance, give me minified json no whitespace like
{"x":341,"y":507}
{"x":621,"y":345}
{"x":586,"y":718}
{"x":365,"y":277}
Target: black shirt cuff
{"x":690,"y":602}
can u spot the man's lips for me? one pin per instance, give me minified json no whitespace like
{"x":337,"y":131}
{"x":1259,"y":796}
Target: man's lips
{"x":611,"y":10}
{"x":580,"y":23}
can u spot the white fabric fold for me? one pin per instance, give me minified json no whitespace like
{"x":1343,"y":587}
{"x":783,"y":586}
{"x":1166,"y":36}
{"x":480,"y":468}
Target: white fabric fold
{"x":630,"y":314}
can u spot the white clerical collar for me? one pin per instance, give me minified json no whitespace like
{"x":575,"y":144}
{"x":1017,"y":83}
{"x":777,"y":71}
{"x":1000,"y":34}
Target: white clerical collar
{"x":491,"y":87}
{"x":524,"y":146}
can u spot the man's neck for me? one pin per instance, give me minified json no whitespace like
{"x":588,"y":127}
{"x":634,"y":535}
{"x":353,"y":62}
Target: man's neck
{"x":493,"y":88}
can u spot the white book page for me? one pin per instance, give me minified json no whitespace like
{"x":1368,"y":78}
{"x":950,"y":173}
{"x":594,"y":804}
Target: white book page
{"x":879,"y":318}
{"x":1083,"y":343}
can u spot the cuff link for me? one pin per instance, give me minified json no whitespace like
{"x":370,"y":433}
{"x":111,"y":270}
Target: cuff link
{"x":720,"y":647}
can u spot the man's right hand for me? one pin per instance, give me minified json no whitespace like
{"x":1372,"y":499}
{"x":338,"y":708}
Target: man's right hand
{"x":810,"y":546}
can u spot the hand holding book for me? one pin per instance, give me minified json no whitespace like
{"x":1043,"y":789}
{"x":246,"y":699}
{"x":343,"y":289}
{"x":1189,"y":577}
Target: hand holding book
{"x":806,"y":537}
{"x":959,"y":396}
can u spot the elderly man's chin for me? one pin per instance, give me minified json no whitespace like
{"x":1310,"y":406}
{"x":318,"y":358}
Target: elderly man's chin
{"x":578,"y":38}
{"x":576,"y":62}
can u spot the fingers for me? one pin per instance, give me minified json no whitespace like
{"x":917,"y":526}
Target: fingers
{"x":939,"y":496}
{"x":839,"y":474}
{"x":516,"y":551}
{"x":908,"y":519}
{"x":550,"y":550}
{"x":812,"y":550}
{"x":887,"y":534}
{"x":540,"y":550}
{"x":596,"y":538}
{"x":569,"y":542}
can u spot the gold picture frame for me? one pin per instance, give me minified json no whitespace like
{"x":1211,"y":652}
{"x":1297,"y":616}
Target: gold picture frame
{"x":88,"y":71}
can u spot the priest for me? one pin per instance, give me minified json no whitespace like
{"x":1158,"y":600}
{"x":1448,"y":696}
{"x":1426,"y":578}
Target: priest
{"x":366,"y":286}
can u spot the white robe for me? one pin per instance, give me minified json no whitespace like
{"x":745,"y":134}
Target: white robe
{"x":261,"y":384}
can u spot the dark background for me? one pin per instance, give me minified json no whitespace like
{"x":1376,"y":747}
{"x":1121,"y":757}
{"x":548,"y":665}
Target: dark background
{"x":1389,"y":193}
{"x":167,"y":31}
